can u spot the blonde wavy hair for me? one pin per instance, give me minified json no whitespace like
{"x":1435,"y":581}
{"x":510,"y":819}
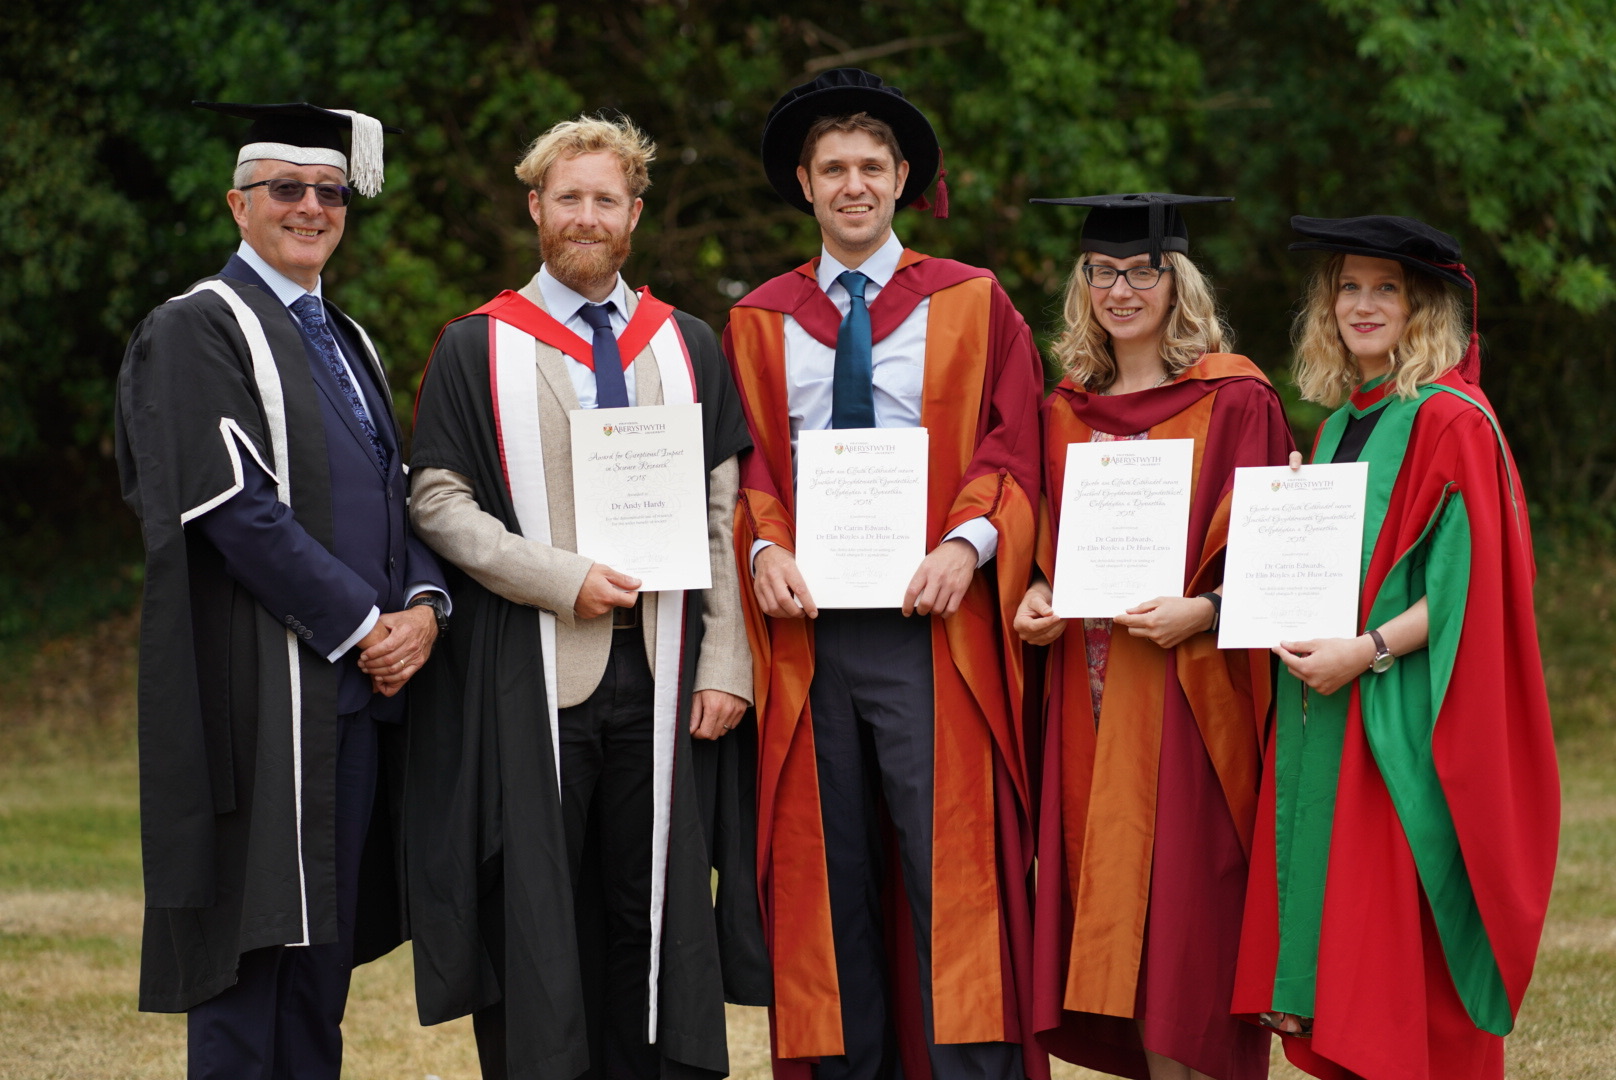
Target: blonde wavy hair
{"x":1433,"y":341}
{"x":590,"y":135}
{"x":1193,"y":327}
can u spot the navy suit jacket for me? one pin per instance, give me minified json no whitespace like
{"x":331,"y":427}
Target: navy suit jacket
{"x":322,"y":593}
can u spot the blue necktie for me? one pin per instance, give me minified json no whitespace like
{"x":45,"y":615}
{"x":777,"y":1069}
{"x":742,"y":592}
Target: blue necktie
{"x":611,"y":391}
{"x":852,"y":398}
{"x":311,"y":318}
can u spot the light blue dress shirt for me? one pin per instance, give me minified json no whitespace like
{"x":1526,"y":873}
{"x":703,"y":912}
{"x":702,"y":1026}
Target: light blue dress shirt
{"x":898,"y":371}
{"x":564,"y":305}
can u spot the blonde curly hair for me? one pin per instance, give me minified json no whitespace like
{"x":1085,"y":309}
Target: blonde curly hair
{"x":589,"y":135}
{"x":1193,"y":327}
{"x":1433,"y":341}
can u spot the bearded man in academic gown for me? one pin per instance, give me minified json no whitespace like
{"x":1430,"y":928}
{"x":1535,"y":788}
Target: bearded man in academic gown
{"x":894,"y":837}
{"x":286,"y":606}
{"x":563,"y":824}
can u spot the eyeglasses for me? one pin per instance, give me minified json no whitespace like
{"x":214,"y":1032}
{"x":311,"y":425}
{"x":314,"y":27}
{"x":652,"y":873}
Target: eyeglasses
{"x":285,"y":190}
{"x":1139,"y":277}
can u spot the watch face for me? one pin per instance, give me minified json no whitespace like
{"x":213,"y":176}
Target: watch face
{"x":1383,"y":662}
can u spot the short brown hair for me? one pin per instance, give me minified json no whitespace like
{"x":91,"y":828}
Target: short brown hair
{"x":879,"y":130}
{"x":590,"y":135}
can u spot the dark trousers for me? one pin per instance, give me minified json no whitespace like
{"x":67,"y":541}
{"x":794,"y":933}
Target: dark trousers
{"x":606,"y":804}
{"x":871,"y":701}
{"x":282,"y":1020}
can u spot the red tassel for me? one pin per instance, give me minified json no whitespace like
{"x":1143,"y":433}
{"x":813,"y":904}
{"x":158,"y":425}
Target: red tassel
{"x":1470,"y":363}
{"x":940,"y":208}
{"x":921,"y":204}
{"x":1470,"y":366}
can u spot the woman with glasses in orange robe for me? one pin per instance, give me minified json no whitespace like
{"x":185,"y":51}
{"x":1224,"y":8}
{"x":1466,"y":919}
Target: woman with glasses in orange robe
{"x":1153,"y":736}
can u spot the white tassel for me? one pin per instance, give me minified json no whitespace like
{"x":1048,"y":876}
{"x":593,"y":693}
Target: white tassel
{"x":365,"y":171}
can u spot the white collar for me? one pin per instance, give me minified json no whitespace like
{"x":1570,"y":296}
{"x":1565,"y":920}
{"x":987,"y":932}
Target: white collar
{"x":564,"y":303}
{"x":879,"y":267}
{"x":285,"y":289}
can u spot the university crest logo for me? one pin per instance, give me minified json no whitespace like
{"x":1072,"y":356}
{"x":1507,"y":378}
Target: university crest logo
{"x":1106,"y":460}
{"x":1276,"y":485}
{"x":606,"y":429}
{"x":840,"y":448}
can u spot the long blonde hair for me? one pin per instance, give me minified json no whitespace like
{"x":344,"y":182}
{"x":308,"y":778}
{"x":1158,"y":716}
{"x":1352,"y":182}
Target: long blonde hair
{"x":1432,"y":344}
{"x":1193,"y":327}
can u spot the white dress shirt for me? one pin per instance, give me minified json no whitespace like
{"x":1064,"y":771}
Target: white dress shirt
{"x":289,"y":292}
{"x":898,"y":370}
{"x":565,"y":306}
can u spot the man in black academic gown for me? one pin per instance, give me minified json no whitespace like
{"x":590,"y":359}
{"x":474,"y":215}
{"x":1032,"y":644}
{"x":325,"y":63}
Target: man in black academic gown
{"x":576,"y":753}
{"x":286,"y":606}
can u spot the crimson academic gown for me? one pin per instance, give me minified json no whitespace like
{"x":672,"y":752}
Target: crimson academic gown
{"x":978,"y":402}
{"x":1407,"y":831}
{"x":1147,"y":811}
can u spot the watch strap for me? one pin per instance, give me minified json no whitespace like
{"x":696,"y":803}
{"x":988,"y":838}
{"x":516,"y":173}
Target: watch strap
{"x":1383,"y":655}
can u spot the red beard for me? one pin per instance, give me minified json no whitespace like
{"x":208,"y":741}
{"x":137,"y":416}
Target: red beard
{"x":583,"y":269}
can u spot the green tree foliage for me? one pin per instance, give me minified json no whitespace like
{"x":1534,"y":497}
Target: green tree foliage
{"x":1491,"y":118}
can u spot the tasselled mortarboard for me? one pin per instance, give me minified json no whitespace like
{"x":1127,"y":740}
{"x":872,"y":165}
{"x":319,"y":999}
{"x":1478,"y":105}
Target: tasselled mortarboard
{"x":1134,"y":224}
{"x":305,"y":134}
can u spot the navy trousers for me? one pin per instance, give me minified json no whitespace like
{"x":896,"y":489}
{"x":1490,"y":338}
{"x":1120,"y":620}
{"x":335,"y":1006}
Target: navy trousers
{"x":282,"y":1020}
{"x":871,"y":700}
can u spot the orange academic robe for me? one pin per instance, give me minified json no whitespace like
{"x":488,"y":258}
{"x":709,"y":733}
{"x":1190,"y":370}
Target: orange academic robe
{"x":979,"y":404}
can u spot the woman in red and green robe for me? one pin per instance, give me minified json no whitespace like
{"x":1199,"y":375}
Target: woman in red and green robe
{"x":1410,"y":811}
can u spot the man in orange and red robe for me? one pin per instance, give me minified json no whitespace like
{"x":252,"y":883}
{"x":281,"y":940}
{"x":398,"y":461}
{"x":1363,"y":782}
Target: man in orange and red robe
{"x":894,"y":838}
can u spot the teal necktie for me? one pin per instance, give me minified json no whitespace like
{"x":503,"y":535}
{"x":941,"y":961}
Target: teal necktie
{"x":852,"y":396}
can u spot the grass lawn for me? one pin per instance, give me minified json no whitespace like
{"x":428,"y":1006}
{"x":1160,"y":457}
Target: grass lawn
{"x":70,"y":880}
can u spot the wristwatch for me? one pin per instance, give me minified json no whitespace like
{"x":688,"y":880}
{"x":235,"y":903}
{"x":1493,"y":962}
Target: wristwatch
{"x":1384,"y":658}
{"x":439,"y":606}
{"x":1217,"y":609}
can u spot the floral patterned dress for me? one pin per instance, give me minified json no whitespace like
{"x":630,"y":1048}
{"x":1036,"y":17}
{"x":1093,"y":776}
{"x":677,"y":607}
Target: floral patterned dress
{"x":1097,"y":632}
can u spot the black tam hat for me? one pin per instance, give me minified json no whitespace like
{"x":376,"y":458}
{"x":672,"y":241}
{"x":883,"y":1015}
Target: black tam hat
{"x":305,"y":134}
{"x":844,"y":92}
{"x":1405,"y":240}
{"x":1126,"y":225}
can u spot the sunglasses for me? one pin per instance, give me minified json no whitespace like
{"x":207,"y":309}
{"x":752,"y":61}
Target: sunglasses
{"x":292,"y":191}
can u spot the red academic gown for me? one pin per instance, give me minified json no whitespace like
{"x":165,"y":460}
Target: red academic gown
{"x":1441,"y":848}
{"x":979,"y":405}
{"x":1147,"y":812}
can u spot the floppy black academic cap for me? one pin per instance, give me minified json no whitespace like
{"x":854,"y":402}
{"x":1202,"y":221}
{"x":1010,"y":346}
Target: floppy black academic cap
{"x":1125,"y":225}
{"x":305,"y":134}
{"x":1384,"y":236}
{"x":843,"y":92}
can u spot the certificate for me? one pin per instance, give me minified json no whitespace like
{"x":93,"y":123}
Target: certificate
{"x":639,"y":489}
{"x":1125,"y":513}
{"x":1295,"y":548}
{"x":861,"y":514}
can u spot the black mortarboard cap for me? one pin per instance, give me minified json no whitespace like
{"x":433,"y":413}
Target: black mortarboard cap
{"x":1384,"y":236}
{"x":843,"y":92}
{"x":1401,"y":239}
{"x":1125,"y":225}
{"x":307,"y":134}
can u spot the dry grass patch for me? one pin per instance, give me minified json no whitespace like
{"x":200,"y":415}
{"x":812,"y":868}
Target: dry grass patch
{"x":70,"y":884}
